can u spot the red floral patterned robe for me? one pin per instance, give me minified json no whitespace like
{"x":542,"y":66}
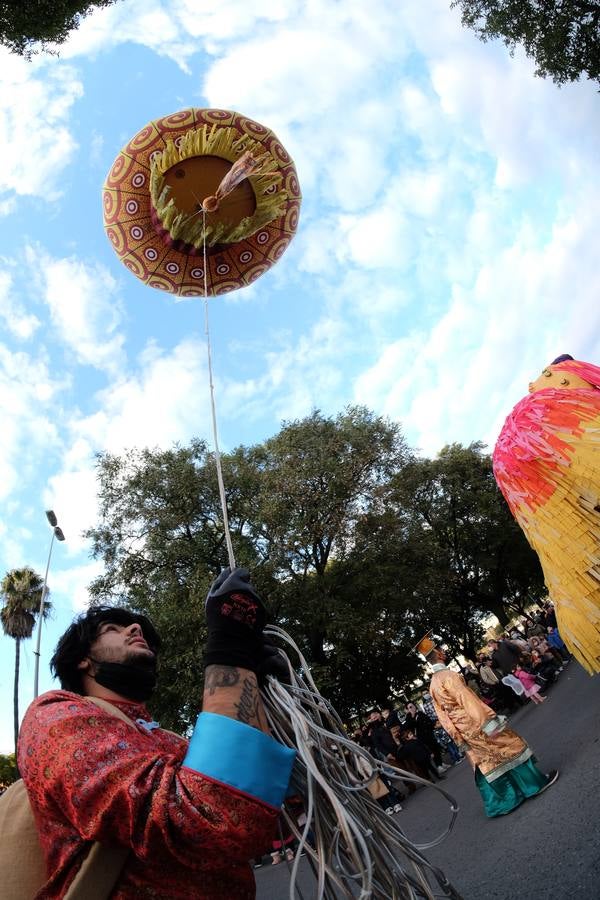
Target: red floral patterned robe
{"x":93,"y":777}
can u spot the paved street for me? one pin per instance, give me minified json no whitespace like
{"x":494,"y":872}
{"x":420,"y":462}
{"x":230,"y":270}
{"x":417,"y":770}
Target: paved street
{"x":549,"y":848}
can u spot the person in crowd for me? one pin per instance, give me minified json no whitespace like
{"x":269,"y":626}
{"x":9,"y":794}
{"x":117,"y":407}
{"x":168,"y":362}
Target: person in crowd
{"x":487,"y":674}
{"x":390,"y":716}
{"x":505,"y":655}
{"x":556,"y":642}
{"x":505,"y":773}
{"x":187,"y":815}
{"x":549,"y":616}
{"x":380,"y":788}
{"x":380,"y":739}
{"x":519,"y":641}
{"x":537,"y":627}
{"x":550,"y":653}
{"x":422,"y":727}
{"x":412,"y":750}
{"x":543,"y":669}
{"x":473,"y":681}
{"x":441,"y":736}
{"x":530,"y":685}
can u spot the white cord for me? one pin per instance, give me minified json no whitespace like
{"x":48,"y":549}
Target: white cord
{"x":226,"y":531}
{"x":354,"y":848}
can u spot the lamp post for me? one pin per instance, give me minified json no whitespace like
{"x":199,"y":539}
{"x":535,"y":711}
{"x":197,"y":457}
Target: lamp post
{"x":58,"y":534}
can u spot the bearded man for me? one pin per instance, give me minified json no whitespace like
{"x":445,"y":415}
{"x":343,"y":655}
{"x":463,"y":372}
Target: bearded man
{"x":183,"y":817}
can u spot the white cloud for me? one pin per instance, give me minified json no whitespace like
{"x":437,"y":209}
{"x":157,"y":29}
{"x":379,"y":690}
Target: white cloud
{"x":84,"y":308}
{"x":460,"y":378}
{"x":167,"y":400}
{"x":19,"y":322}
{"x":27,"y":393}
{"x":35,"y":102}
{"x":72,"y":583}
{"x":145,"y":22}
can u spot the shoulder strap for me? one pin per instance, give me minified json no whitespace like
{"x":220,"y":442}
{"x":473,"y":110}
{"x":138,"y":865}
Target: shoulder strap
{"x":98,"y":873}
{"x":102,"y":866}
{"x":115,"y":711}
{"x":109,"y":707}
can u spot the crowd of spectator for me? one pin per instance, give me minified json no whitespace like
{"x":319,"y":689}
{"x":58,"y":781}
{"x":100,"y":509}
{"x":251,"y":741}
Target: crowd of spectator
{"x":514,"y":667}
{"x":521,"y":663}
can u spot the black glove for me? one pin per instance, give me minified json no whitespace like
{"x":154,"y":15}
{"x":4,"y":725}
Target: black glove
{"x":272,"y":663}
{"x":235,"y":616}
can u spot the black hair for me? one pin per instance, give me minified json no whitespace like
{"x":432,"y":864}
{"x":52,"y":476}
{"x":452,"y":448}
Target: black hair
{"x":74,"y":645}
{"x":432,"y":655}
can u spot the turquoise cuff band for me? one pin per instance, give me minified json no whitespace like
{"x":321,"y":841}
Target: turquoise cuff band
{"x":241,"y":756}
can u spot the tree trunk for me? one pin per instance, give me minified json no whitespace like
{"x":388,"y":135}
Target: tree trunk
{"x":16,"y":692}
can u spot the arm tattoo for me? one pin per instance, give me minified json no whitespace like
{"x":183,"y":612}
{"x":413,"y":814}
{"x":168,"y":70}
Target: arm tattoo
{"x":247,"y":707}
{"x":220,"y":677}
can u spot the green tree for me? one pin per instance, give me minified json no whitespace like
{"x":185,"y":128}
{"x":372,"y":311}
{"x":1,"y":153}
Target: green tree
{"x":473,"y":555}
{"x":161,"y":538}
{"x":561,"y":36}
{"x":35,"y":25}
{"x":8,"y":770}
{"x":293,"y":503}
{"x":21,"y":596}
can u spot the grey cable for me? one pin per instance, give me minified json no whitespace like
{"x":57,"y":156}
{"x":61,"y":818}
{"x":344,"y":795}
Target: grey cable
{"x":357,"y":850}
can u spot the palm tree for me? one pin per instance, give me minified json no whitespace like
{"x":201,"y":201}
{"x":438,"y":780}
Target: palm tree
{"x":21,"y":596}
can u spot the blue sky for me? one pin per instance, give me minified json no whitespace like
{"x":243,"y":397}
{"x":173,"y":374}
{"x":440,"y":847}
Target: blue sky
{"x":447,"y":248}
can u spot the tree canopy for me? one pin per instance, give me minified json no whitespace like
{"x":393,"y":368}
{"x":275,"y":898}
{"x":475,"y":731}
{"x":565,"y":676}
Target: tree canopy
{"x":358,"y":545}
{"x":29,"y":27}
{"x":561,"y":36}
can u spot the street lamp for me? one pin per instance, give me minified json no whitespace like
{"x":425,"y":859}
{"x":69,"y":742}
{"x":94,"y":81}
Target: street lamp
{"x":58,"y":534}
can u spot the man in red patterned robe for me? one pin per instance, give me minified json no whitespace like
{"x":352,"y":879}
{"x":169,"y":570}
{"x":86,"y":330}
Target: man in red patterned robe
{"x":190,"y":814}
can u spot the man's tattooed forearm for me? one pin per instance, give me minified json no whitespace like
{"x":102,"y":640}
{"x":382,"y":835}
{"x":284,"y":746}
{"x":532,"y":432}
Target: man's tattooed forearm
{"x":220,"y":677}
{"x":247,"y":708}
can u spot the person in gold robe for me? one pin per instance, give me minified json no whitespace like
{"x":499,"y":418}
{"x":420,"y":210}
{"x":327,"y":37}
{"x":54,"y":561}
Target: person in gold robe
{"x":505,"y":771}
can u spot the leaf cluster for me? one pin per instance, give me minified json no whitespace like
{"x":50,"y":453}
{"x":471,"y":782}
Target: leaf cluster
{"x":561,"y":36}
{"x":29,"y":27}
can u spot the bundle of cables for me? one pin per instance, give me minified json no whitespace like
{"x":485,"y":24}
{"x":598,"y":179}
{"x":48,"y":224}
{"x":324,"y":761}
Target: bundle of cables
{"x":354,"y":848}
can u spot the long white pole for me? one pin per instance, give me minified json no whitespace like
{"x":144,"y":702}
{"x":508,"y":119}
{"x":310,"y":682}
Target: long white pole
{"x":36,"y":671}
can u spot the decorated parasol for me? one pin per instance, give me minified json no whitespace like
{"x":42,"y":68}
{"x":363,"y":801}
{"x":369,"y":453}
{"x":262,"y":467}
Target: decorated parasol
{"x":201,"y":184}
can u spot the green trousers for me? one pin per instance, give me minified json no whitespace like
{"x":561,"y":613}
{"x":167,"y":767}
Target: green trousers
{"x":508,"y":791}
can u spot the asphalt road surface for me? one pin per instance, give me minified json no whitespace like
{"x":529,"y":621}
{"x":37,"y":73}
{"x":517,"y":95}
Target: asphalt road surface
{"x":548,"y":848}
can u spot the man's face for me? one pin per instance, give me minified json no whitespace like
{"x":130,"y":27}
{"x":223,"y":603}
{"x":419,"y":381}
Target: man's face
{"x":120,"y":644}
{"x":374,"y":717}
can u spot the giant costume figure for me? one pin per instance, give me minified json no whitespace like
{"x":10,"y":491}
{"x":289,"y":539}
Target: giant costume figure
{"x":547,"y":465}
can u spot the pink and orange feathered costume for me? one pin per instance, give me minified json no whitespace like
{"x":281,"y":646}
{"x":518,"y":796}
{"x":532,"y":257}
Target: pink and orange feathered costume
{"x":547,"y":465}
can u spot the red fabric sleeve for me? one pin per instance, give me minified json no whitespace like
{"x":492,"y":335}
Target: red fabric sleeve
{"x":117,"y":783}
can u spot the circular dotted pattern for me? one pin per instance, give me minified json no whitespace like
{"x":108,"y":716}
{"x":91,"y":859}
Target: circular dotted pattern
{"x":138,"y":239}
